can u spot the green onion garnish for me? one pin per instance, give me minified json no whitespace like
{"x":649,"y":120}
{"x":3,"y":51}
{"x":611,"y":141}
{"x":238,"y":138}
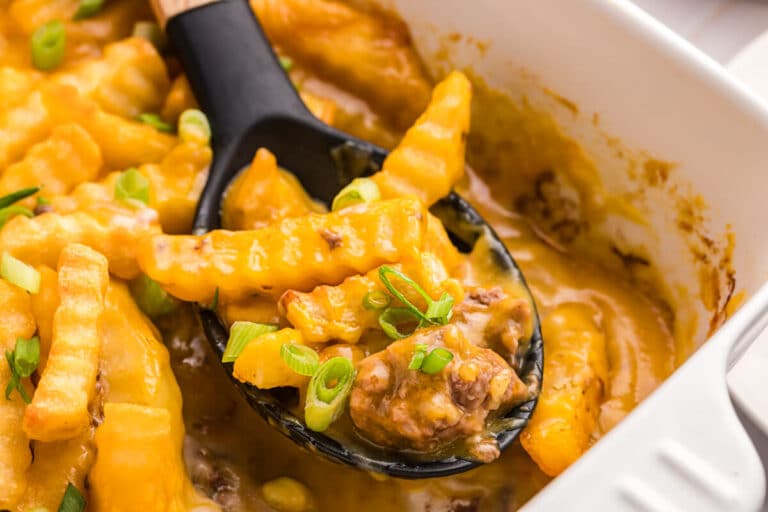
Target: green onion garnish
{"x":11,"y":211}
{"x":419,"y":352}
{"x":19,"y":273}
{"x":327,"y":393}
{"x":214,"y":302}
{"x":151,"y":298}
{"x":300,"y":358}
{"x":152,"y":32}
{"x":43,"y":201}
{"x":376,"y":299}
{"x":360,"y":190}
{"x":390,"y":318}
{"x":22,"y":361}
{"x":436,"y":360}
{"x":131,"y":185}
{"x":286,"y":63}
{"x":15,"y":197}
{"x":240,"y":335}
{"x":72,"y":501}
{"x":49,"y":43}
{"x":194,"y":127}
{"x":438,"y":312}
{"x":155,"y":122}
{"x":88,"y":8}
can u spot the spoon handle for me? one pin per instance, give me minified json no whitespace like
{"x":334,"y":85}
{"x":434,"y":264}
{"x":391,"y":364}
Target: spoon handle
{"x":236,"y":77}
{"x":167,"y":9}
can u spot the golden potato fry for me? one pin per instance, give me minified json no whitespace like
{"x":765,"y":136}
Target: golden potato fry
{"x":262,"y":310}
{"x":338,"y":312}
{"x":136,"y":451}
{"x":575,"y":375}
{"x":263,"y":194}
{"x":261,"y":365}
{"x":123,"y":143}
{"x":361,"y":51}
{"x":296,"y":254}
{"x":59,"y":408}
{"x":44,"y":305}
{"x":129,"y":79}
{"x":66,"y":158}
{"x":56,"y":464}
{"x":430,"y":158}
{"x":21,"y":127}
{"x":15,"y":322}
{"x":176,"y":184}
{"x":111,"y":229}
{"x":179,"y":99}
{"x":15,"y":85}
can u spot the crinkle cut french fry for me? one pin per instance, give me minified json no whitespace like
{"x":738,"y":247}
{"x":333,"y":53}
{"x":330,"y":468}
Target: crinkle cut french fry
{"x":22,"y":126}
{"x":295,"y":254}
{"x":430,"y":158}
{"x":129,"y":79}
{"x":59,"y":408}
{"x":124,"y":143}
{"x":355,"y":48}
{"x":180,"y":98}
{"x":16,"y":321}
{"x":15,"y":85}
{"x":44,"y":304}
{"x":138,"y":465}
{"x":261,"y":365}
{"x":338,"y":313}
{"x":263,"y":194}
{"x":68,"y":157}
{"x":575,"y":375}
{"x":109,"y":228}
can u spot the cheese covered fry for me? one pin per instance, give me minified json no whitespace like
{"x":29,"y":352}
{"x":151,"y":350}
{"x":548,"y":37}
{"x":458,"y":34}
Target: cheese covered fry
{"x":138,"y":464}
{"x":123,"y":143}
{"x":296,"y":254}
{"x":575,"y":375}
{"x":111,"y":229}
{"x":22,"y":126}
{"x":261,"y":365}
{"x":16,"y":321}
{"x":15,"y":85}
{"x":44,"y":304}
{"x":59,"y":409}
{"x":362,"y":50}
{"x":59,"y":163}
{"x":129,"y":78}
{"x":430,"y":158}
{"x":180,"y":98}
{"x":338,"y":312}
{"x":263,"y":194}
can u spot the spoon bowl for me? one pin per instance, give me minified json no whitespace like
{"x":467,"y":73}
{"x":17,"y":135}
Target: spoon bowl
{"x":251,"y":104}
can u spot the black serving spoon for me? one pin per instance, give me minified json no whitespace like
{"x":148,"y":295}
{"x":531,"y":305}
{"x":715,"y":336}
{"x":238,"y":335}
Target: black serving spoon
{"x":251,"y":103}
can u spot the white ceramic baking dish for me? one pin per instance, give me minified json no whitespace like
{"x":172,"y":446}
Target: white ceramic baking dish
{"x":683,"y":447}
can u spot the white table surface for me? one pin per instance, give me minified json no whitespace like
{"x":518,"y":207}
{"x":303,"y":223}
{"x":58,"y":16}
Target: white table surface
{"x":728,"y":31}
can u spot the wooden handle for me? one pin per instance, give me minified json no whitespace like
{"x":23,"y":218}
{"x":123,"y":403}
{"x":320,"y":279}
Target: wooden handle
{"x":167,"y":9}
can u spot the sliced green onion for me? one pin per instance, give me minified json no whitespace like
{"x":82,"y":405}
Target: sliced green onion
{"x":441,"y":310}
{"x":360,"y":190}
{"x":19,"y":273}
{"x":22,"y":361}
{"x":151,"y":298}
{"x":152,"y":32}
{"x":72,"y":501}
{"x":43,"y":201}
{"x":194,"y":127}
{"x":155,"y":122}
{"x":49,"y":43}
{"x":327,"y":393}
{"x":286,"y":63}
{"x":240,"y":335}
{"x":88,"y":8}
{"x":15,"y":197}
{"x":385,"y":271}
{"x":390,"y":318}
{"x":215,"y":301}
{"x":376,"y":299}
{"x":11,"y":211}
{"x":300,"y":358}
{"x":419,"y":353}
{"x":131,"y":185}
{"x":436,"y":360}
